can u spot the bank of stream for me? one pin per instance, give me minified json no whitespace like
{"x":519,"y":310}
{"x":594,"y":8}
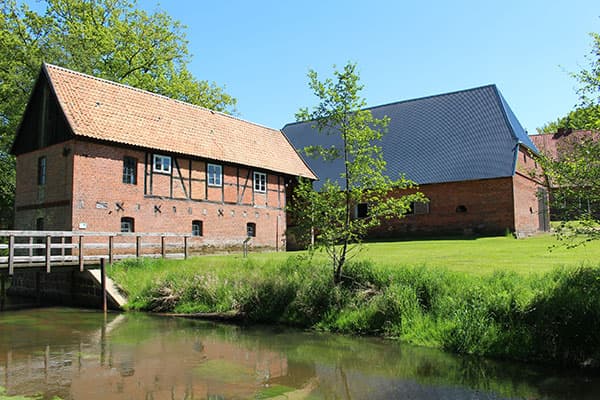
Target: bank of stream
{"x":552,"y":318}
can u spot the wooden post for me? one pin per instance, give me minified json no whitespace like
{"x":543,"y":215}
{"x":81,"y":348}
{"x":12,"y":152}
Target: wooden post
{"x":138,"y":246}
{"x":185,"y":247}
{"x":48,"y":252}
{"x":11,"y":254}
{"x":62,"y":248}
{"x":81,"y":261}
{"x":162,"y":246}
{"x":30,"y":246}
{"x":277,"y":234}
{"x":110,"y":249}
{"x":38,"y":287}
{"x":2,"y":291}
{"x":103,"y":284}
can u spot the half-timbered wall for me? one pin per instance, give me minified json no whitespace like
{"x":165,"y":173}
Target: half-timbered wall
{"x":172,"y":201}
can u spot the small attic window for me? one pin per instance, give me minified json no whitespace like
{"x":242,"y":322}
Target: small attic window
{"x":161,"y":164}
{"x":461,"y":209}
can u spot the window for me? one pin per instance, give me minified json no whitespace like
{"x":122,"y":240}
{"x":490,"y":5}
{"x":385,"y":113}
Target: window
{"x":196,"y":228}
{"x":162,"y":164}
{"x":130,"y":170}
{"x":421,"y":208}
{"x":127,"y":225}
{"x":418,"y":208}
{"x":39,"y":224}
{"x":214,"y":173}
{"x":42,"y":171}
{"x":461,"y":209}
{"x":251,"y":229}
{"x":260,"y":182}
{"x":362,"y":210}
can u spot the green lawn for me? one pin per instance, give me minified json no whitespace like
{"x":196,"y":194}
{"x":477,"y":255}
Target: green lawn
{"x":478,"y":256}
{"x":484,"y":255}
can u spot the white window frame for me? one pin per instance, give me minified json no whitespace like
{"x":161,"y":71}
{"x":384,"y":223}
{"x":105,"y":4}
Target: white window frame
{"x":214,"y":178}
{"x":260,"y":182}
{"x":130,"y":223}
{"x":160,"y":166}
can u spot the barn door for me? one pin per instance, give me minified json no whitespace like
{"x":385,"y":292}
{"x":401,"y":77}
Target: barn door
{"x":543,"y":212}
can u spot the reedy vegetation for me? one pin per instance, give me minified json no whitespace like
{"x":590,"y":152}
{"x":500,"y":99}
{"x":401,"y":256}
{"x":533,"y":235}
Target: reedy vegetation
{"x":553,"y":317}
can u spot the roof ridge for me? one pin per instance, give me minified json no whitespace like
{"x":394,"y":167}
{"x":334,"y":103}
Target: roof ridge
{"x":129,"y":87}
{"x":491,"y":85}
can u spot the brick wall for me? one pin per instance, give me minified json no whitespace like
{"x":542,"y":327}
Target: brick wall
{"x":101,"y":199}
{"x":51,"y":201}
{"x":530,"y":210}
{"x":470,"y":207}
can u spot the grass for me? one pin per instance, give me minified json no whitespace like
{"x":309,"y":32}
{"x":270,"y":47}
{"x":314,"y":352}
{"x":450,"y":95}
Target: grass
{"x":480,"y":256}
{"x":497,"y":297}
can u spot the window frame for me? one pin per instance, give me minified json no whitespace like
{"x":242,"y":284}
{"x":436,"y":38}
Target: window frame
{"x":42,"y":169}
{"x":251,"y":229}
{"x":262,"y":183}
{"x":211,"y":178}
{"x":197,"y":223}
{"x":130,"y":171}
{"x":130,"y":221}
{"x":361,"y":210}
{"x":161,"y":170}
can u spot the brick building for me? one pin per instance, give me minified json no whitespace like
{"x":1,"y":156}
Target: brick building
{"x":104,"y":157}
{"x":470,"y":156}
{"x":575,"y":202}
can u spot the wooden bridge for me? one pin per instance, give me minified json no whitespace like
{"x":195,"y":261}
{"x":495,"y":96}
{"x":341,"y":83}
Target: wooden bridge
{"x":85,"y":251}
{"x":76,"y":248}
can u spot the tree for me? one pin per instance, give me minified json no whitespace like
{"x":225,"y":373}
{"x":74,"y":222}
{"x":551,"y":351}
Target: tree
{"x":585,"y":118}
{"x":111,"y":39}
{"x":328,"y":212}
{"x":573,"y":174}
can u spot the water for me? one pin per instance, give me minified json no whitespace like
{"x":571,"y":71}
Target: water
{"x":77,"y":354}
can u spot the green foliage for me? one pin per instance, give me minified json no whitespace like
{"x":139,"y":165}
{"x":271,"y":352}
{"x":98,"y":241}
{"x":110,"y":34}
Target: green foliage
{"x":329,"y":212}
{"x":111,"y":39}
{"x":553,"y":317}
{"x":582,"y":118}
{"x":574,"y":179}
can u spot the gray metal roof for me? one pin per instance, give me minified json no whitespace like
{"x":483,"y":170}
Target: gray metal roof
{"x":459,"y":136}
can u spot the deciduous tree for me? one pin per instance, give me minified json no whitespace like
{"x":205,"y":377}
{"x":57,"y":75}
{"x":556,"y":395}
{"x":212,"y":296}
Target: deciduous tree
{"x":112,"y":39}
{"x":329,"y":211}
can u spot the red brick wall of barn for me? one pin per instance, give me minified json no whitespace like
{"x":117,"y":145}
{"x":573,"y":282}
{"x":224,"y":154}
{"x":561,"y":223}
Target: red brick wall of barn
{"x":51,"y":201}
{"x":469,"y":207}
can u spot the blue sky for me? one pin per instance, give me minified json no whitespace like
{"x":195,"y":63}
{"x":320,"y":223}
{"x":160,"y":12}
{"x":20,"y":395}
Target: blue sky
{"x":262,"y":50}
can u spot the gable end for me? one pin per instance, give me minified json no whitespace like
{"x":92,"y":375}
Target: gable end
{"x":43,"y":123}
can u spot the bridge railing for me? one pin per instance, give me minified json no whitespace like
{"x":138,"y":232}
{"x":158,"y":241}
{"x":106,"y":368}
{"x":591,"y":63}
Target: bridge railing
{"x":59,"y":248}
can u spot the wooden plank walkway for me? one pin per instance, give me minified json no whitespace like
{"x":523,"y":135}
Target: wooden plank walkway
{"x":22,"y":249}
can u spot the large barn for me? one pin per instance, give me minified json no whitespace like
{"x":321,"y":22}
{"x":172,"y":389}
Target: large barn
{"x":94,"y":155}
{"x":470,"y":156}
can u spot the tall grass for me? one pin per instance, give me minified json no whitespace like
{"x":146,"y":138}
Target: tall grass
{"x":551,"y":317}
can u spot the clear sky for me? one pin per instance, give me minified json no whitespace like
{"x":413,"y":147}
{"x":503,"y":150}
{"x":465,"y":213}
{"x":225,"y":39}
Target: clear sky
{"x":262,"y":50}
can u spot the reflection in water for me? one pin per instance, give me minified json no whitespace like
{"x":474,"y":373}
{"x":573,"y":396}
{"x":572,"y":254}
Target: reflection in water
{"x":78,"y":354}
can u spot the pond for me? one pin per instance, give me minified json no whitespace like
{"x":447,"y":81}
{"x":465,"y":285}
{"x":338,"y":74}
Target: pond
{"x":79,"y":354}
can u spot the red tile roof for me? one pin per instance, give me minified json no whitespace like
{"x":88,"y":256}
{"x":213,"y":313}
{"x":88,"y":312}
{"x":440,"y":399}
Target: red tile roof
{"x":105,"y":110}
{"x":555,"y":144}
